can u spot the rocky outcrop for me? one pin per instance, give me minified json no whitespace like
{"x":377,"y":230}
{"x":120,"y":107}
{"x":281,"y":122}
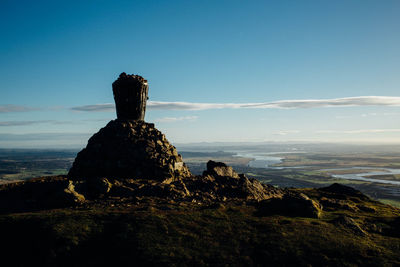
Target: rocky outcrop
{"x":349,"y":223}
{"x":291,"y":204}
{"x":129,"y":149}
{"x":221,"y":182}
{"x":332,"y":204}
{"x":219,"y":169}
{"x":39,"y":194}
{"x":343,"y":191}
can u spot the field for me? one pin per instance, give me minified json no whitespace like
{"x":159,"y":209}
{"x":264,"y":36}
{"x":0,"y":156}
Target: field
{"x":333,"y":160}
{"x":20,"y":164}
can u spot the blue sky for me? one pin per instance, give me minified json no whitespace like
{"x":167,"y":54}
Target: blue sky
{"x":58,"y":57}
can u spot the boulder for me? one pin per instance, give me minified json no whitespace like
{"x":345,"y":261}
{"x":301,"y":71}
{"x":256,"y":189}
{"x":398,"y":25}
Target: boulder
{"x":219,"y":169}
{"x":343,"y":191}
{"x":72,"y":195}
{"x":220,"y":181}
{"x":291,"y":204}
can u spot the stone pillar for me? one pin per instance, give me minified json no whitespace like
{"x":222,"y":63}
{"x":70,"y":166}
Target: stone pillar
{"x":130,"y":95}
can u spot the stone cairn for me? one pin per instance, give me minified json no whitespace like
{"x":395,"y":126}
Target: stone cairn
{"x":130,"y":95}
{"x":128,"y":147}
{"x":131,"y":158}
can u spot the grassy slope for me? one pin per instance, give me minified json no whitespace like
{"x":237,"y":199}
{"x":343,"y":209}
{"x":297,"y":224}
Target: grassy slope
{"x":169,"y":233}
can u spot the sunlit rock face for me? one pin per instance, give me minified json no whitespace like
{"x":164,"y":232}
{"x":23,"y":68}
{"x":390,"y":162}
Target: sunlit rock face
{"x":129,"y":149}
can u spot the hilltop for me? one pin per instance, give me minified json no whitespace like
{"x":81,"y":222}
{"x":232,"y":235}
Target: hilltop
{"x":129,"y":199}
{"x":181,"y":223}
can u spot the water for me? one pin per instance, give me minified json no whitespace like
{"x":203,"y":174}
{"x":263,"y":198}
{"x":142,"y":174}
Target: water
{"x":261,"y":160}
{"x":364,"y":176}
{"x":265,"y":160}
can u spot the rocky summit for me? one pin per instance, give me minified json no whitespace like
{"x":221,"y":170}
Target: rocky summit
{"x":129,"y":149}
{"x":220,"y":219}
{"x":130,"y":158}
{"x":129,"y":199}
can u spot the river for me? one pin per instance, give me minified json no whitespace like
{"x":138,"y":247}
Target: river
{"x":365,"y":176}
{"x":261,"y":160}
{"x":267,"y":160}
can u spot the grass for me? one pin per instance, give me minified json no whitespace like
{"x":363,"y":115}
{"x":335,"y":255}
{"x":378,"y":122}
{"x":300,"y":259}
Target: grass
{"x":392,"y":177}
{"x":392,"y":202}
{"x":191,"y":234}
{"x":352,"y":171}
{"x":24,"y":174}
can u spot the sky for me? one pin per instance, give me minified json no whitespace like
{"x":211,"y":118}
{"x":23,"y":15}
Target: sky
{"x":218,"y":71}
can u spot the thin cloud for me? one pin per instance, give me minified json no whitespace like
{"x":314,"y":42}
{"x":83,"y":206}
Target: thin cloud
{"x":43,"y":136}
{"x":16,"y":108}
{"x":44,"y":140}
{"x":360,"y":131}
{"x":391,"y":114}
{"x":21,"y":123}
{"x":25,"y":123}
{"x":95,"y":108}
{"x":287,"y":132}
{"x":283,"y":104}
{"x":369,"y":114}
{"x":175,"y":119}
{"x":365,"y":115}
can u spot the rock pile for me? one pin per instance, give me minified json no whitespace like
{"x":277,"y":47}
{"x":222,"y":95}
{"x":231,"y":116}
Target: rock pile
{"x":130,"y":159}
{"x":129,"y":149}
{"x":219,"y":183}
{"x":292,"y":204}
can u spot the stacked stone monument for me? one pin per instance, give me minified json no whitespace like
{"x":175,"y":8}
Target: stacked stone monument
{"x":129,"y":160}
{"x":128,"y":147}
